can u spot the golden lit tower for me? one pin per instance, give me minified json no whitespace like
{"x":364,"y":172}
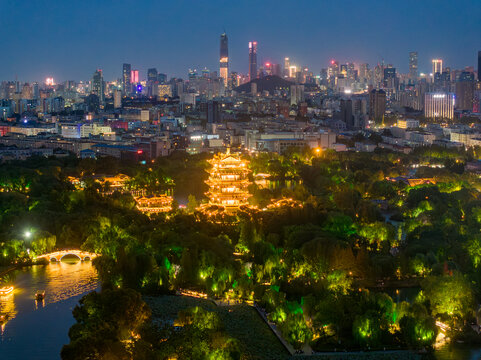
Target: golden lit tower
{"x":228,"y":181}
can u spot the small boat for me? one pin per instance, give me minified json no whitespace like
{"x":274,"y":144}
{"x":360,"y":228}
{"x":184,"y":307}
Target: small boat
{"x":6,"y":290}
{"x":40,"y":295}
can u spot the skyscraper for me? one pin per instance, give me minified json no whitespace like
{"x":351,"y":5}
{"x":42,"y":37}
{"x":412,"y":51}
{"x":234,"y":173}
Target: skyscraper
{"x":126,"y":80}
{"x":152,"y":74}
{"x":465,"y":91}
{"x":224,"y":59}
{"x":413,"y":66}
{"x":287,"y":64}
{"x":377,"y":105}
{"x":479,"y":65}
{"x":437,"y":66}
{"x":252,"y":60}
{"x":98,"y":85}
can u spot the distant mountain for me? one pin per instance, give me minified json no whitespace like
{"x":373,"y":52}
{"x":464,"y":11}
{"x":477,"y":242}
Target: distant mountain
{"x":268,"y":83}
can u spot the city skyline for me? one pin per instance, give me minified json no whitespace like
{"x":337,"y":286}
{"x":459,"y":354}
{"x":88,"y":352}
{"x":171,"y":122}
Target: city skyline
{"x":326,"y":35}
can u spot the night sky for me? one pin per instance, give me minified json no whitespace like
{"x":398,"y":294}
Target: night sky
{"x":69,"y":39}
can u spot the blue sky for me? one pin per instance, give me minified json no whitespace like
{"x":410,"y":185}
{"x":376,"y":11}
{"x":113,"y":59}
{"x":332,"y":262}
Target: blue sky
{"x":69,"y":39}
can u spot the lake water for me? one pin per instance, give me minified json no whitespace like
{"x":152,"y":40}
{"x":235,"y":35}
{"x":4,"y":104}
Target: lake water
{"x":38,"y":330}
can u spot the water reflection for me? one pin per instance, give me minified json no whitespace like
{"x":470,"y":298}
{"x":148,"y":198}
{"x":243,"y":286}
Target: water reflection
{"x":38,"y":329}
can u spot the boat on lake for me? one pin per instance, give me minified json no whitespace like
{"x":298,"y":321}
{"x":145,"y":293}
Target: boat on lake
{"x":40,"y":295}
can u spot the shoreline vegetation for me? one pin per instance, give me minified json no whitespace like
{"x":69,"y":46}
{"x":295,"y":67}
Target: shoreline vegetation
{"x":319,"y":257}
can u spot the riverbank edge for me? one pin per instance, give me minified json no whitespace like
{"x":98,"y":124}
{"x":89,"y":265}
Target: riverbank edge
{"x":19,"y":266}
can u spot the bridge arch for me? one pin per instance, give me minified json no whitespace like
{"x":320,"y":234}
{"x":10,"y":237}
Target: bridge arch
{"x":72,"y":254}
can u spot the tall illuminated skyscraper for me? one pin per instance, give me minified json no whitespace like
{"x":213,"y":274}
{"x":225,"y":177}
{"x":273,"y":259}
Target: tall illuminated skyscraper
{"x":126,"y":80}
{"x":224,"y":59}
{"x":252,"y":60}
{"x":437,"y":66}
{"x":413,"y":65}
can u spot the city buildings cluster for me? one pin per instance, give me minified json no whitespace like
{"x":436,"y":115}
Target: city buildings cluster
{"x":271,"y":108}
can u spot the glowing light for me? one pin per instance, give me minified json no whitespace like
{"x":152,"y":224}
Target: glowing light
{"x":28,"y":234}
{"x":6,"y":290}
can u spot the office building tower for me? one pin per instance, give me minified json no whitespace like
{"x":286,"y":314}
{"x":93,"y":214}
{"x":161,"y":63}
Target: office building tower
{"x":413,"y":66}
{"x":126,"y":80}
{"x":97,"y":85}
{"x":252,"y":60}
{"x":363,"y":72}
{"x":389,"y":73}
{"x":276,"y":70}
{"x":297,"y":94}
{"x":351,"y":71}
{"x":134,"y":77}
{"x":162,"y":78}
{"x":439,"y":105}
{"x":479,"y":65}
{"x":465,"y":91}
{"x":377,"y":105}
{"x":333,"y":69}
{"x":287,"y":64}
{"x":346,"y":113}
{"x":152,"y":74}
{"x":437,"y":66}
{"x":213,"y":112}
{"x":224,"y":59}
{"x":117,"y":99}
{"x":36,"y":91}
{"x":234,"y":79}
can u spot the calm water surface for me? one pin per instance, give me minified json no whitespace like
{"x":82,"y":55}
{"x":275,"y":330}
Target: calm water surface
{"x":39,"y":330}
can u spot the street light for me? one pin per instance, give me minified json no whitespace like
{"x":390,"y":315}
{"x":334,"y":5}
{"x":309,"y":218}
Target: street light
{"x":28,"y":234}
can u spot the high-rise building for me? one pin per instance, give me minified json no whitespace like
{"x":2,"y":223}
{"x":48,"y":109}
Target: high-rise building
{"x":224,"y":59}
{"x":252,"y":60}
{"x":479,"y":65}
{"x":439,"y":105}
{"x":413,"y":66}
{"x":437,"y":66}
{"x":134,"y":77}
{"x":287,"y":64}
{"x":333,"y":69}
{"x":162,"y":78}
{"x":98,"y":85}
{"x":297,"y":94}
{"x":346,"y":113}
{"x":465,"y":91}
{"x":152,"y":74}
{"x":364,"y":72}
{"x":117,"y":98}
{"x":213,"y":112}
{"x":377,"y":105}
{"x":126,"y":80}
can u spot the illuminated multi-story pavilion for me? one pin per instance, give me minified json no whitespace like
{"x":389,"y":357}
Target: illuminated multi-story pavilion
{"x":228,"y":181}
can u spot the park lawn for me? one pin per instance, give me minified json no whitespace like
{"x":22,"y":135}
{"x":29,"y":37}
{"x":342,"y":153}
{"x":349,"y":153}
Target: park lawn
{"x":241,"y":322}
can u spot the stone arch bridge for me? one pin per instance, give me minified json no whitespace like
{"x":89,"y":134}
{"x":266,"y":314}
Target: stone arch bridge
{"x":58,"y":255}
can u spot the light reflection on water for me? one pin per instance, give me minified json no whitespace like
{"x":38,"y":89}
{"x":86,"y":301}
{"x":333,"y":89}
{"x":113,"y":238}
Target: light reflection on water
{"x":37,"y":330}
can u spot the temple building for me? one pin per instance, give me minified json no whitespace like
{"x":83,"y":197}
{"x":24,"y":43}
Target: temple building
{"x":228,"y":181}
{"x":154,"y":204}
